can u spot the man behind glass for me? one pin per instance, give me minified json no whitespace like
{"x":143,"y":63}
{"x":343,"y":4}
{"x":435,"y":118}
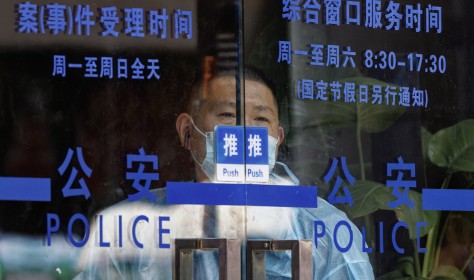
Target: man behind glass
{"x":213,"y":102}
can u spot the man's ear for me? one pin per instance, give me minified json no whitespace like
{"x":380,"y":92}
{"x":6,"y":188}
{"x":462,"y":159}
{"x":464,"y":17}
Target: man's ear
{"x":281,"y":135}
{"x":184,"y":127}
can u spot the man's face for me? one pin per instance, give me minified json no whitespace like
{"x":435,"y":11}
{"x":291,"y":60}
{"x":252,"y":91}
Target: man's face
{"x":219,"y":105}
{"x":219,"y":108}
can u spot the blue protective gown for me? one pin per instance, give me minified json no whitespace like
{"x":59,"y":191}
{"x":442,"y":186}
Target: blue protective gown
{"x":122,"y":259}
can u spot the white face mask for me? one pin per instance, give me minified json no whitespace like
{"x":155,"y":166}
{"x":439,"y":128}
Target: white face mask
{"x":272,"y":146}
{"x":208,"y":164}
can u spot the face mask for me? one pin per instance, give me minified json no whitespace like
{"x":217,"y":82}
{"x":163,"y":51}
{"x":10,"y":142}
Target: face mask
{"x":272,"y":146}
{"x":276,"y":179}
{"x":208,"y":164}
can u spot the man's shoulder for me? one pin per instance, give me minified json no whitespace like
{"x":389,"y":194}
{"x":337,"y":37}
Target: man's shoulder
{"x":139,"y":205}
{"x":327,"y":212}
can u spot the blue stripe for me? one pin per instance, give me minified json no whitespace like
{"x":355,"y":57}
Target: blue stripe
{"x":25,"y":189}
{"x":282,"y":196}
{"x":240,"y":194}
{"x":205,"y":193}
{"x":449,"y":200}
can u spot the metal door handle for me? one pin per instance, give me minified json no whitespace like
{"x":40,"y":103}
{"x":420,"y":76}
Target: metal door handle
{"x":229,"y":256}
{"x":301,"y":257}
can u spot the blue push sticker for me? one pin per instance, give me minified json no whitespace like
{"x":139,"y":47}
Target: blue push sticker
{"x":256,"y":168}
{"x":230,"y":160}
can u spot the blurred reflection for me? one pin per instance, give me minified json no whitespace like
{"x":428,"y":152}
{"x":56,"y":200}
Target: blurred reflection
{"x":457,"y":249}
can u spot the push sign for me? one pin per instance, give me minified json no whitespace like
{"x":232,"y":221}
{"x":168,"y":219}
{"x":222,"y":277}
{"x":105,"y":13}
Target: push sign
{"x":230,"y":157}
{"x":256,"y":168}
{"x":242,"y":156}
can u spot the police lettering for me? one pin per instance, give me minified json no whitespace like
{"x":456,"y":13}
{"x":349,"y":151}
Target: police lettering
{"x":123,"y":228}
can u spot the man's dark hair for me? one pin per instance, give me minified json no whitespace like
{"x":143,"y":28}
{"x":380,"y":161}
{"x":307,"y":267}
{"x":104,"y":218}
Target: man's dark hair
{"x":253,"y":74}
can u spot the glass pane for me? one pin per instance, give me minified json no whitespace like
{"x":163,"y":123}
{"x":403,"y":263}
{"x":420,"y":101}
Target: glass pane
{"x":317,"y":139}
{"x":102,"y":106}
{"x":373,"y":97}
